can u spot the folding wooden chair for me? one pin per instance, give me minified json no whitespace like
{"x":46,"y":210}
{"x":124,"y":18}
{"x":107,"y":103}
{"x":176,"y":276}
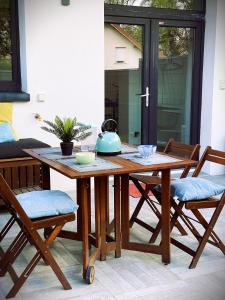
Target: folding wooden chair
{"x":195,"y":206}
{"x":55,"y":211}
{"x":150,"y":181}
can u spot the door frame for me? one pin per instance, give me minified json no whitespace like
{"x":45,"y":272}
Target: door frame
{"x":145,"y":69}
{"x":150,"y":18}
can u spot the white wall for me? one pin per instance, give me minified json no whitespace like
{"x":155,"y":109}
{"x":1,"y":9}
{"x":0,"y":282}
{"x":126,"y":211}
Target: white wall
{"x":213,"y":98}
{"x":62,"y":56}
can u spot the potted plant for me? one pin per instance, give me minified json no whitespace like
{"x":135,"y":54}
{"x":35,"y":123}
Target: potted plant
{"x":67,"y":130}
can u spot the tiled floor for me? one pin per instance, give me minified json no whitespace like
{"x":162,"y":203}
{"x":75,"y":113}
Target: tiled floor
{"x":133,"y":276}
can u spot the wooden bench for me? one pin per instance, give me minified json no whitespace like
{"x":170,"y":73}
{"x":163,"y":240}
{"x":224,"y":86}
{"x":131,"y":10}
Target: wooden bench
{"x":24,"y":173}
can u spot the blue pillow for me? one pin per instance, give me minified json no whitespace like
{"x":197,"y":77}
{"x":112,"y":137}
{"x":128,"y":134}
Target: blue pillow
{"x":6,"y":133}
{"x":46,"y":203}
{"x":193,"y":188}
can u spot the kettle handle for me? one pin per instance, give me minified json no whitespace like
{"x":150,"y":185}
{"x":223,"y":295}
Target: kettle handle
{"x":107,"y":121}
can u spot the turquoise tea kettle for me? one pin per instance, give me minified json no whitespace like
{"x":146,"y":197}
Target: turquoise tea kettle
{"x":108,"y":142}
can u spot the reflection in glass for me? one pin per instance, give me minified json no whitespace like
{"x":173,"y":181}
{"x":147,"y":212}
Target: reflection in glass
{"x":174,"y":84}
{"x":174,"y":4}
{"x":5,"y":41}
{"x":123,"y":64}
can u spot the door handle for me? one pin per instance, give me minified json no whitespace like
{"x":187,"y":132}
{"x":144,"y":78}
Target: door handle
{"x":146,"y":95}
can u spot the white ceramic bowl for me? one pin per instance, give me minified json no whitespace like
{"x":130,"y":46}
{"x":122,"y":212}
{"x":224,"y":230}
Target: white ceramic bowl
{"x":85,"y":157}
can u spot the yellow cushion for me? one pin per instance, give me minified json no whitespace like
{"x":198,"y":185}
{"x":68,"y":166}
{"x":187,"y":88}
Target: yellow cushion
{"x":6,"y":112}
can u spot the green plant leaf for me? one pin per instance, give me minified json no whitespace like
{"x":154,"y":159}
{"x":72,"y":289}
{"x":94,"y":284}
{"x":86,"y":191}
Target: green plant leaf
{"x":67,"y":129}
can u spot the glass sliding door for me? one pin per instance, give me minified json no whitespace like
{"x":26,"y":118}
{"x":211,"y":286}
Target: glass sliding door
{"x":175,"y":67}
{"x":123,"y":78}
{"x":153,"y":79}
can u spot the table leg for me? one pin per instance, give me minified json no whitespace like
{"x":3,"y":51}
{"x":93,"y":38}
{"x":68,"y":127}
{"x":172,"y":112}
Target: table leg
{"x":165,"y":217}
{"x":79,"y":211}
{"x":125,"y":215}
{"x":103,"y":185}
{"x":83,"y":187}
{"x":117,"y":217}
{"x":89,"y":259}
{"x":97,"y":215}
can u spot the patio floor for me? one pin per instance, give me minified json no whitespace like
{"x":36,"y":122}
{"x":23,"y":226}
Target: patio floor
{"x":133,"y":276}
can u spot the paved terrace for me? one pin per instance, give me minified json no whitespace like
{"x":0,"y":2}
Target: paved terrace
{"x":133,"y":276}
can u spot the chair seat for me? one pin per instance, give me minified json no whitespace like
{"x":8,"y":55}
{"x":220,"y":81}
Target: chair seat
{"x":192,"y":188}
{"x":38,"y":204}
{"x":146,"y":179}
{"x":203,"y":203}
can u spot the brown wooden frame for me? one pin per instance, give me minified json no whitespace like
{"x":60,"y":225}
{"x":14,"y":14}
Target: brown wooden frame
{"x":195,"y":206}
{"x":24,"y":174}
{"x":103,"y":242}
{"x":172,"y":148}
{"x":29,"y":233}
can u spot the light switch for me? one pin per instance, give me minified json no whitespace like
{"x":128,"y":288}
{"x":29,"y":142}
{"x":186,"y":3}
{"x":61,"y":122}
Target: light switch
{"x":41,"y":97}
{"x":222,"y":84}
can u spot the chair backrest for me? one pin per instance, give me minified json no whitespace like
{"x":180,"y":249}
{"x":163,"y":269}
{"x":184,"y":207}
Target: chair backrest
{"x":210,"y":155}
{"x":12,"y":203}
{"x":182,"y":150}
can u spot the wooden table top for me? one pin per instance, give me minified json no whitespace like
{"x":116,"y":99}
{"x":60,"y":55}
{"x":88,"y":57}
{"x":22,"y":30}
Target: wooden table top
{"x":127,"y":166}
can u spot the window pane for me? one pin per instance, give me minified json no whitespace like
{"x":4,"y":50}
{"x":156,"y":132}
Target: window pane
{"x":123,"y":79}
{"x":5,"y":41}
{"x":175,"y":61}
{"x":175,"y":4}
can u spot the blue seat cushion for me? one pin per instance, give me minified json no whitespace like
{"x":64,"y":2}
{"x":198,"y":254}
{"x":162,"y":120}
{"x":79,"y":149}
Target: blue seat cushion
{"x":38,"y":204}
{"x":6,"y":133}
{"x":192,"y":188}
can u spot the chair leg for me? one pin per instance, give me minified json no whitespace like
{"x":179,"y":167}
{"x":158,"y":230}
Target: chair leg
{"x":181,"y":229}
{"x":153,"y":207}
{"x":144,"y":193}
{"x":23,"y":277}
{"x":176,"y":223}
{"x":208,"y":232}
{"x":179,"y":226}
{"x":136,"y":211}
{"x":6,"y":228}
{"x":155,"y":233}
{"x":179,"y":214}
{"x":12,"y":252}
{"x":10,"y":269}
{"x":201,"y":239}
{"x":217,"y":242}
{"x":44,"y":251}
{"x":203,"y":242}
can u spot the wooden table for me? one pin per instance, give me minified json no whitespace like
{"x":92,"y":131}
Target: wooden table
{"x":101,"y":240}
